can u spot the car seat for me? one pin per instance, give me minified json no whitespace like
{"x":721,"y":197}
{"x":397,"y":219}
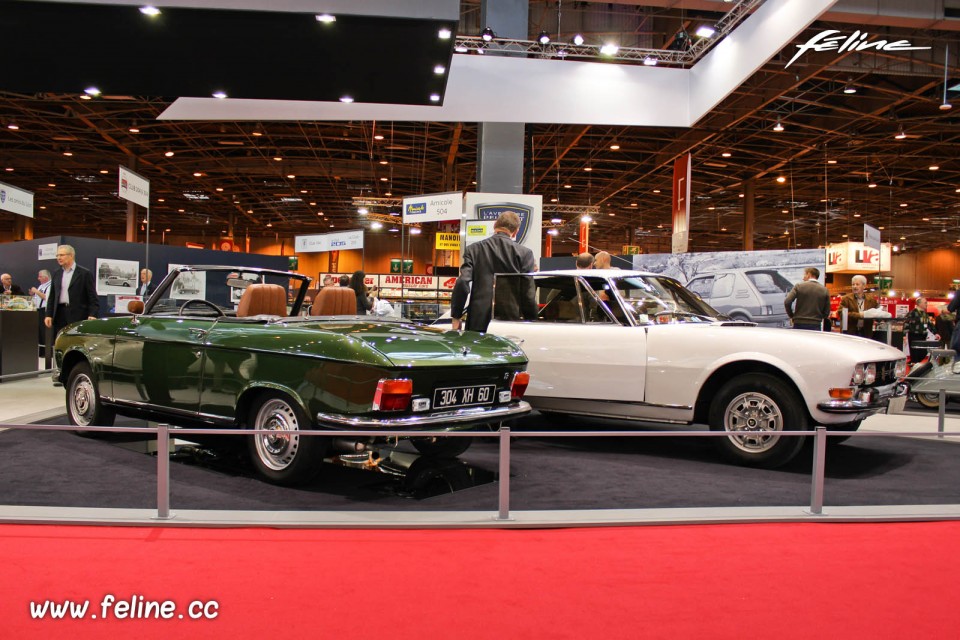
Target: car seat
{"x":263,"y":299}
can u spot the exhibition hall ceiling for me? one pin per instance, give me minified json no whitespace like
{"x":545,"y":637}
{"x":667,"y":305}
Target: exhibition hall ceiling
{"x":887,"y":154}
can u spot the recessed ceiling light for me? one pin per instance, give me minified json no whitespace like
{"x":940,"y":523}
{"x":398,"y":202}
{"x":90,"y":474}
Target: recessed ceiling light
{"x":346,"y":99}
{"x":434,"y":97}
{"x":150,"y":11}
{"x":444,"y":33}
{"x":326,"y":18}
{"x":219,"y":95}
{"x":439,"y":69}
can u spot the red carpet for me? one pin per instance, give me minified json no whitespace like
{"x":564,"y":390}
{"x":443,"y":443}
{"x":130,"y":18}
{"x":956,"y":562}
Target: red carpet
{"x":718,"y":581}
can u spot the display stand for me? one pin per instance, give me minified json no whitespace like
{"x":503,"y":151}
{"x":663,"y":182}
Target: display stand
{"x":18,"y":342}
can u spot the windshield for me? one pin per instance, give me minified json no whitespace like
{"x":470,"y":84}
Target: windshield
{"x":218,"y":291}
{"x":656,"y":299}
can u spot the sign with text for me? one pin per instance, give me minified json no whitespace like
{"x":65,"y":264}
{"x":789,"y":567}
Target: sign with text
{"x":481,"y":205}
{"x":335,"y":241}
{"x":855,"y":257}
{"x":477,"y":230}
{"x":833,"y":40}
{"x":134,"y":188}
{"x":16,"y":200}
{"x":448,"y":241}
{"x":434,"y":207}
{"x":681,"y":204}
{"x":393,"y":281}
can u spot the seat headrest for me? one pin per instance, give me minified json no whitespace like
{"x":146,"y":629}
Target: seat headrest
{"x":335,"y":301}
{"x":263,"y":299}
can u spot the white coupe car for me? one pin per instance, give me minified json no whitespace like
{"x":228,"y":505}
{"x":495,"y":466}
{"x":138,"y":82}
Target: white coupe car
{"x":638,"y":346}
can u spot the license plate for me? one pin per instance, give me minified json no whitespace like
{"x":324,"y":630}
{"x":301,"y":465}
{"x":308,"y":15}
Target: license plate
{"x":463,"y":396}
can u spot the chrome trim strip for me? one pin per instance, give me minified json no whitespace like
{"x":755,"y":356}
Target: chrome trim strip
{"x":460,"y":416}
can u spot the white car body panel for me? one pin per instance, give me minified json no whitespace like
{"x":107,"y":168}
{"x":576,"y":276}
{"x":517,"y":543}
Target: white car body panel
{"x":656,"y":371}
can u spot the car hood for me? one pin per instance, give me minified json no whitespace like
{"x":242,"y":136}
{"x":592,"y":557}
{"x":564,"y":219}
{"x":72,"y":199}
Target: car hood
{"x":407,"y":345}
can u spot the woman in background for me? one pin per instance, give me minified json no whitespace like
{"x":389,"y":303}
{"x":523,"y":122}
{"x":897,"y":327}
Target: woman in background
{"x":364,"y":301}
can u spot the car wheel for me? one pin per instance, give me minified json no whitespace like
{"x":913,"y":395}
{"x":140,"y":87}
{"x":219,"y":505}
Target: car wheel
{"x":284,"y":457}
{"x":441,"y":447}
{"x":755,"y":409}
{"x":84,"y":408}
{"x":929,"y":400}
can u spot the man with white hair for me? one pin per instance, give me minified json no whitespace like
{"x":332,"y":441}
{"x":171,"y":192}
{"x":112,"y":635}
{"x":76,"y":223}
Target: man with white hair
{"x":856,"y":302}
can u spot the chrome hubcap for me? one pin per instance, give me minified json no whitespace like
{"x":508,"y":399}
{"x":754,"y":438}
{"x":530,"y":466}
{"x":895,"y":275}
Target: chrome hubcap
{"x":82,"y":400}
{"x":277,"y":450}
{"x":756,"y":419}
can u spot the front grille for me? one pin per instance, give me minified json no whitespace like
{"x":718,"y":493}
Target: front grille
{"x":885,"y":373}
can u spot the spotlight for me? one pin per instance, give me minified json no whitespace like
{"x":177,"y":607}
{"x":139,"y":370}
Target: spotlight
{"x":706,"y":31}
{"x":92,"y":91}
{"x":650,"y":61}
{"x":609,"y":49}
{"x":150,"y":11}
{"x":578,"y":39}
{"x":326,"y":18}
{"x":444,"y":34}
{"x":544,"y":37}
{"x":487,"y":34}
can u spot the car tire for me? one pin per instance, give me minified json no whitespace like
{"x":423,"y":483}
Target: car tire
{"x":440,"y":447}
{"x":759,"y":406}
{"x":928,"y":400}
{"x":285,"y":458}
{"x":84,"y":408}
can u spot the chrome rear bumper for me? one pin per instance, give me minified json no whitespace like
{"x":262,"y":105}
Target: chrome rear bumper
{"x":459,"y":417}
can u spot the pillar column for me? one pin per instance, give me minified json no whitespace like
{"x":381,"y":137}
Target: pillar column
{"x":749,"y":195}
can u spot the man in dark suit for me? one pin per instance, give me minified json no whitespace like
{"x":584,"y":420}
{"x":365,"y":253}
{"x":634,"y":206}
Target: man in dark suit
{"x":7,"y":286}
{"x":146,"y":286}
{"x":481,"y":261}
{"x":73,"y":295}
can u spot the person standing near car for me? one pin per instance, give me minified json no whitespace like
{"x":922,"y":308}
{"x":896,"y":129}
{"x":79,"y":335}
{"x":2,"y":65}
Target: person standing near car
{"x":918,"y":325}
{"x":146,"y":286}
{"x":856,"y":302}
{"x":812,"y":302}
{"x":73,"y":295}
{"x":499,"y":253}
{"x":40,"y":303}
{"x":364,"y":301}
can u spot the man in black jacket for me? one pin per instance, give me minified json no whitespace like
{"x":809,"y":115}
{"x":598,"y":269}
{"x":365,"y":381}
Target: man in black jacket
{"x":7,"y":286}
{"x":480,"y":262}
{"x":73,"y":295}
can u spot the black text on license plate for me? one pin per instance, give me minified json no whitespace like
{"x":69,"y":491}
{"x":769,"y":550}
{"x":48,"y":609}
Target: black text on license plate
{"x":463,"y":396}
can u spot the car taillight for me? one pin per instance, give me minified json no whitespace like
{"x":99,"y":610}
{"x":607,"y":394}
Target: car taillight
{"x":519,"y":385}
{"x":393,"y":395}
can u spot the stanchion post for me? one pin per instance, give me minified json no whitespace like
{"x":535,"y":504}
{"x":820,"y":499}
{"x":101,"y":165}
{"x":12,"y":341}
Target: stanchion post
{"x":163,"y":471}
{"x":819,"y":467}
{"x":941,"y":411}
{"x":504,"y":513}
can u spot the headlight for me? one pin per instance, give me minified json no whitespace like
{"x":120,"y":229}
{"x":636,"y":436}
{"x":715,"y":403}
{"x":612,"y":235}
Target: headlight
{"x":864,"y":374}
{"x":900,"y":370}
{"x":857,"y":375}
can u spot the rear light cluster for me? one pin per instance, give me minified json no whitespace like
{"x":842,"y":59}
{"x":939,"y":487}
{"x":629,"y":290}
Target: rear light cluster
{"x":518,"y":386}
{"x":393,"y":395}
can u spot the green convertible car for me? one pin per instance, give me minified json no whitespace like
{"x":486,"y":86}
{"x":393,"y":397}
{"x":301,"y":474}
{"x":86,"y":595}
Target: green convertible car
{"x":229,"y":350}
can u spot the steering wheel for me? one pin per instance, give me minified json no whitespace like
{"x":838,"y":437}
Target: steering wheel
{"x":201,"y":301}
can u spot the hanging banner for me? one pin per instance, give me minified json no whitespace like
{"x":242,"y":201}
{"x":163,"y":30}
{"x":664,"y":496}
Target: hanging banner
{"x":16,"y":200}
{"x":433,"y":207}
{"x":681,"y":204}
{"x":448,"y":241}
{"x":335,"y":241}
{"x":134,"y":188}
